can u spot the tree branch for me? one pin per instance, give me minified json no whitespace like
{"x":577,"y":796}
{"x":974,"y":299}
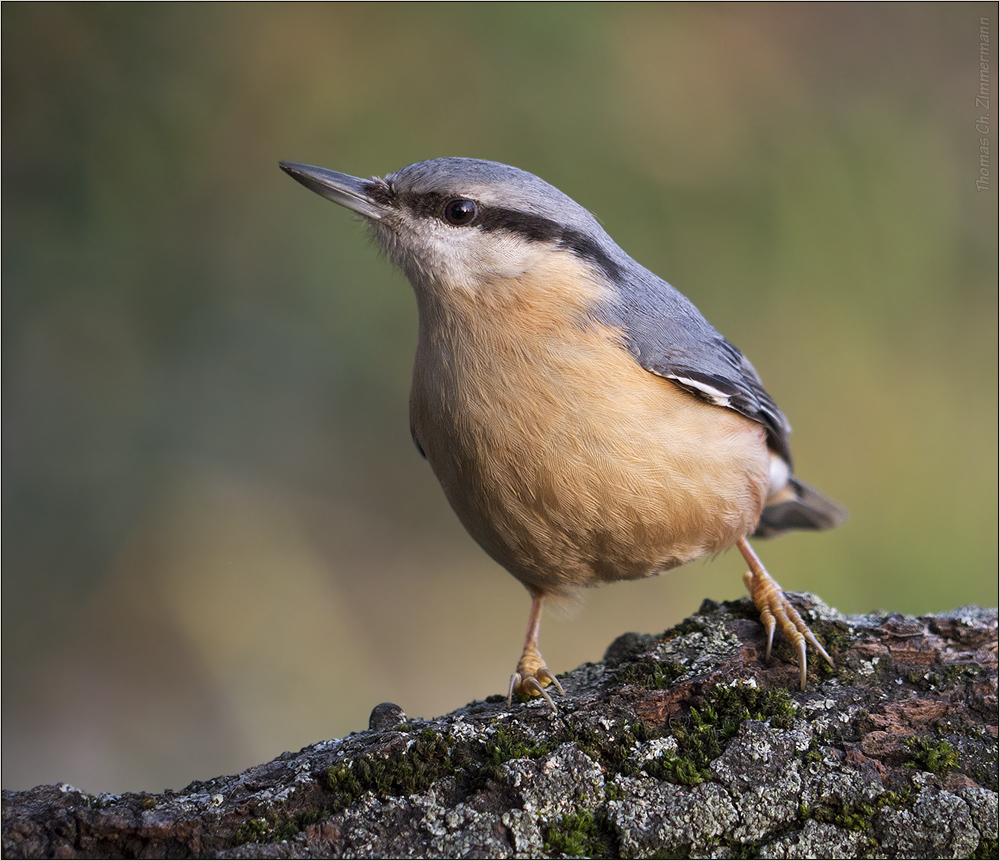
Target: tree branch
{"x":681,"y":745}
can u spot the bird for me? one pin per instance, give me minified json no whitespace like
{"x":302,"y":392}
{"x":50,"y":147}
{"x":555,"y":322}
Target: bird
{"x":586,"y":423}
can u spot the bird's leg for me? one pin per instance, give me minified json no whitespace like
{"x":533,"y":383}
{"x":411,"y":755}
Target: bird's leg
{"x":775,"y":608}
{"x":532,"y":675}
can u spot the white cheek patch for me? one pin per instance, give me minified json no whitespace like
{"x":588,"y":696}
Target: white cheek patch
{"x":476,"y":260}
{"x":500,"y":256}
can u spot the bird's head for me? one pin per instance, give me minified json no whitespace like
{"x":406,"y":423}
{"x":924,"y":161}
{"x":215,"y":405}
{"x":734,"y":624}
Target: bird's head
{"x":465,"y":224}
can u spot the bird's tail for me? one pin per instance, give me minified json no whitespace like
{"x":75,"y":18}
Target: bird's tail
{"x":799,"y":506}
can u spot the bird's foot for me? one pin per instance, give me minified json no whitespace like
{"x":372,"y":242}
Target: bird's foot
{"x":531,"y":679}
{"x":775,"y":609}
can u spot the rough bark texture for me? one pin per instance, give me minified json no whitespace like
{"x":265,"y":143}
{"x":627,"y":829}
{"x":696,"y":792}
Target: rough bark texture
{"x":681,"y":745}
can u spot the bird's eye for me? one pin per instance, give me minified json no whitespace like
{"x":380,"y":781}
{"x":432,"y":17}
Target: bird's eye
{"x":461,"y":211}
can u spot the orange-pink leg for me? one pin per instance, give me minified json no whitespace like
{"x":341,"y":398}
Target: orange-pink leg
{"x":776,"y":609}
{"x":532,"y":675}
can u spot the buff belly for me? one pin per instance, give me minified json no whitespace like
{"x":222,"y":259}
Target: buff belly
{"x":568,"y":481}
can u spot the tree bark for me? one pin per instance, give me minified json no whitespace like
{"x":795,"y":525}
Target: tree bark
{"x":679,"y":745}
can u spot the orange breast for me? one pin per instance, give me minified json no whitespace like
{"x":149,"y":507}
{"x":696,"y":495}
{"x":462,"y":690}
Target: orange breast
{"x":568,"y":462}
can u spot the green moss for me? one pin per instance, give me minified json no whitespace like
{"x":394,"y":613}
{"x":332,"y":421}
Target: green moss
{"x":727,"y":707}
{"x":251,"y":831}
{"x":931,"y":754}
{"x":581,"y":834}
{"x":342,"y":781}
{"x":858,"y":817}
{"x":673,"y":767}
{"x":613,"y":749}
{"x":836,"y":637}
{"x":425,"y":761}
{"x":701,"y":738}
{"x":844,"y":816}
{"x":987,"y":849}
{"x":503,"y":746}
{"x":688,"y":626}
{"x":944,"y":677}
{"x":747,"y":850}
{"x":275,"y":827}
{"x":814,"y":754}
{"x":291,"y":826}
{"x":473,"y":764}
{"x":506,"y":745}
{"x":613,"y":791}
{"x":649,"y":673}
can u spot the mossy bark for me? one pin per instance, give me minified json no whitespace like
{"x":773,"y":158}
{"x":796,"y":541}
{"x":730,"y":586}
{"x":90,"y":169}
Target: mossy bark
{"x":678,"y":745}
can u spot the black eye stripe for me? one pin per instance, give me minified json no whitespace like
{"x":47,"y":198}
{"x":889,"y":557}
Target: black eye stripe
{"x":541,"y":229}
{"x":525,"y":224}
{"x":531,"y":226}
{"x":428,"y":205}
{"x":585,"y":247}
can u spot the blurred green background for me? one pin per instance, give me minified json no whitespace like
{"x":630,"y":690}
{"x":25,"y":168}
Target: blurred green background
{"x":218,"y":540}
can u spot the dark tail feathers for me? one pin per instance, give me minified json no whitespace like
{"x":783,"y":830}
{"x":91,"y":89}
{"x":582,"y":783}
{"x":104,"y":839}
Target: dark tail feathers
{"x":799,"y":507}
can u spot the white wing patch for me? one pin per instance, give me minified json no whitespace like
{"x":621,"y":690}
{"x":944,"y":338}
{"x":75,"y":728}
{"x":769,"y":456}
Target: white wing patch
{"x":703,"y":389}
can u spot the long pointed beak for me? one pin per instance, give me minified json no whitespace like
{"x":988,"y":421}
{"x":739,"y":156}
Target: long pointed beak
{"x":342,"y":188}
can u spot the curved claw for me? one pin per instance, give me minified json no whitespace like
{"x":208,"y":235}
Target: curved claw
{"x":515,"y":683}
{"x":547,"y":677}
{"x":766,"y":616}
{"x":775,"y":608}
{"x":800,"y":647}
{"x":532,"y":686}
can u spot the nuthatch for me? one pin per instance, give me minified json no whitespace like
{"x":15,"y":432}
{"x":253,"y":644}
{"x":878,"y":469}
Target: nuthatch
{"x":586,"y":423}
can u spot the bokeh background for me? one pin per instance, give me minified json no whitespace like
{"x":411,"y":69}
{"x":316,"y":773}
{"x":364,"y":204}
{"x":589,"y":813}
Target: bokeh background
{"x":218,"y":540}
